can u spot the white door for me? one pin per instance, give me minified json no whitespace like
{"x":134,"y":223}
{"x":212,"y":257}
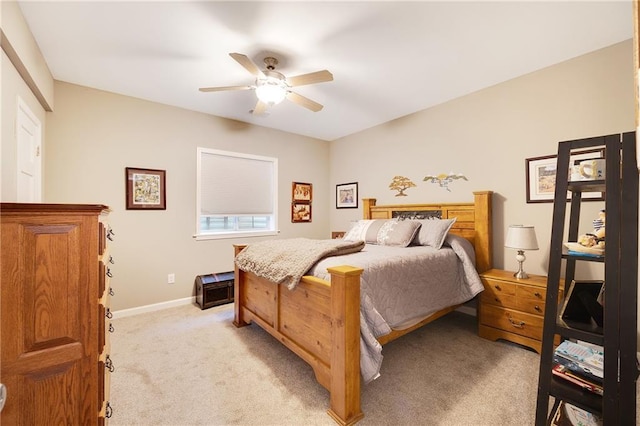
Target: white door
{"x":29,"y":141}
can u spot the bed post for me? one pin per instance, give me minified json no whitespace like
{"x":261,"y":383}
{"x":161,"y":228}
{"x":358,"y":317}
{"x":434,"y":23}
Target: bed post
{"x":238,"y":288}
{"x":345,"y":349}
{"x":367,"y":203}
{"x":484,"y":232}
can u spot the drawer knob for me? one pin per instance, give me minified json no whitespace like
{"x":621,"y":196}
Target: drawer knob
{"x":538,"y":295}
{"x":516,"y":324}
{"x":538,"y":308}
{"x":497,"y":287}
{"x":497,"y":300}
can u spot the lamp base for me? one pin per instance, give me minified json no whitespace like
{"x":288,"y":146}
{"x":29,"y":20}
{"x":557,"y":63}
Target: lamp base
{"x":521,"y":274}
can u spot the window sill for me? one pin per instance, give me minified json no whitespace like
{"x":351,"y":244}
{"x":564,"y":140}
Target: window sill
{"x":223,"y":236}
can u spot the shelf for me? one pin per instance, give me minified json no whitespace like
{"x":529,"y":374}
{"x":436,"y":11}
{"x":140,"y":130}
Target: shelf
{"x":585,"y":257}
{"x":618,"y":335}
{"x":592,"y":334}
{"x":587,"y":186}
{"x":575,"y":395}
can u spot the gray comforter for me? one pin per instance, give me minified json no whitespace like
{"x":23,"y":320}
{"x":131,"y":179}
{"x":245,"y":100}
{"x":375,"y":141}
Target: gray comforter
{"x":402,"y":286}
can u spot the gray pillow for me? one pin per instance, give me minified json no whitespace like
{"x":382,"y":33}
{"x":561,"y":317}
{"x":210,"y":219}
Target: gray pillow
{"x":433,"y":232}
{"x":384,"y":232}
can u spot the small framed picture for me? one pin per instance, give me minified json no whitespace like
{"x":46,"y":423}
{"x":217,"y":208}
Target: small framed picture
{"x":302,"y":192}
{"x":145,"y":189}
{"x":541,"y":176}
{"x":347,"y":196}
{"x":300,"y":212}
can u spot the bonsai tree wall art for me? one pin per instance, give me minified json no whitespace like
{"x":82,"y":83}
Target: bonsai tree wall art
{"x":400,"y":184}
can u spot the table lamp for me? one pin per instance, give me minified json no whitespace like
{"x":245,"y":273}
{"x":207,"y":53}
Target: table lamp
{"x":521,"y":238}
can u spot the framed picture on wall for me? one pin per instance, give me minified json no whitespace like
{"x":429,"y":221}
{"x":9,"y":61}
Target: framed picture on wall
{"x":302,"y":192}
{"x":541,"y":176}
{"x":145,"y":189}
{"x":300,"y":212}
{"x":347,"y":195}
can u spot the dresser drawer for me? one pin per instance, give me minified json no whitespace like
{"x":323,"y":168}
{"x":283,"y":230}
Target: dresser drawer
{"x":530,"y":306}
{"x":529,"y":292}
{"x":498,"y":299}
{"x":512,"y":321}
{"x":499,"y":288}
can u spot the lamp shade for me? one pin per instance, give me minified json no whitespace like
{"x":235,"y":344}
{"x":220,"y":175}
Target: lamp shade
{"x":521,"y":237}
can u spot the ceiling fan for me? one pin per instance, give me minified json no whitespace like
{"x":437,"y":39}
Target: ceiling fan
{"x":273,"y":87}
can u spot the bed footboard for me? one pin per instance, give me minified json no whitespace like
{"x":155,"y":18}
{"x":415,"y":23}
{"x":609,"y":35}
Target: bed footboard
{"x":319,"y":321}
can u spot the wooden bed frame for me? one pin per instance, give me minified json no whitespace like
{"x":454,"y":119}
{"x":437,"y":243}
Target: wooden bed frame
{"x":320,"y":320}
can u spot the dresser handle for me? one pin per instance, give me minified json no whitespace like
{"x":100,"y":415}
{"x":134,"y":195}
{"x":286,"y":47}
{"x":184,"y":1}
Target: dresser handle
{"x":111,"y":260}
{"x":516,"y":324}
{"x":111,"y":292}
{"x":108,"y":314}
{"x":537,"y":308}
{"x":109,"y":364}
{"x":497,"y":300}
{"x":536,"y":294}
{"x":111,"y":329}
{"x":108,"y":411}
{"x":109,"y":273}
{"x":110,"y":234}
{"x":497,"y":287}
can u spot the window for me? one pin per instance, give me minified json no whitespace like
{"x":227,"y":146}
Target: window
{"x":236,"y":194}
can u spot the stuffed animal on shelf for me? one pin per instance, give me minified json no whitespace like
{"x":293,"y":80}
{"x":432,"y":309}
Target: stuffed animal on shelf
{"x":595,"y":239}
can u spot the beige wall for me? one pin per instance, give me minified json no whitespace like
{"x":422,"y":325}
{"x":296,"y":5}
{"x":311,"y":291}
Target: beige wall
{"x":487,"y":136}
{"x":93,"y":135}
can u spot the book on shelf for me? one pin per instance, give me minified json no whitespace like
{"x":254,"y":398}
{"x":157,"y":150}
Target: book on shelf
{"x":564,"y":373}
{"x":584,"y":359}
{"x":570,"y":415}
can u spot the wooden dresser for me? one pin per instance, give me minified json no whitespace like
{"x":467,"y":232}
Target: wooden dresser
{"x":512,"y":309}
{"x":53,"y":299}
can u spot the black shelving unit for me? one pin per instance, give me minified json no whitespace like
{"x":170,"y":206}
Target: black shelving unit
{"x":618,"y":335}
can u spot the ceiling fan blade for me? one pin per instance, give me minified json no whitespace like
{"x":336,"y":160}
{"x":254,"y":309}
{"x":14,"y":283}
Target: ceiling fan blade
{"x":220,"y":89}
{"x":304,"y":102}
{"x":247,"y":64}
{"x":311,"y":78}
{"x":260,"y":108}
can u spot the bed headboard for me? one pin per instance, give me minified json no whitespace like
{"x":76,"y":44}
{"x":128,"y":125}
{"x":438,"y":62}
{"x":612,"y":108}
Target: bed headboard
{"x":473,"y":220}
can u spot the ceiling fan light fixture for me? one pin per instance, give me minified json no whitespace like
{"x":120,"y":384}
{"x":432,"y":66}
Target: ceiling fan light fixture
{"x":271,"y":90}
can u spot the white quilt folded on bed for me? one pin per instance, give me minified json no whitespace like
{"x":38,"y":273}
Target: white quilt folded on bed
{"x":286,"y":261}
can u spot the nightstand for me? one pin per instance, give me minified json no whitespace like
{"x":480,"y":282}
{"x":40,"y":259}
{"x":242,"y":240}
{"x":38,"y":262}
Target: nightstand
{"x":513,"y":309}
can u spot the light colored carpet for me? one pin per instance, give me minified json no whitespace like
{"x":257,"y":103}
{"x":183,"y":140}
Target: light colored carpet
{"x":184,"y":366}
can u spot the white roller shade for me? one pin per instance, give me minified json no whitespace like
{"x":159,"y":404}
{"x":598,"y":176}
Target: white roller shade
{"x":234,"y":184}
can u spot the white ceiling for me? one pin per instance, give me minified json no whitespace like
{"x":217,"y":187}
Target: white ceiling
{"x":388,"y":59}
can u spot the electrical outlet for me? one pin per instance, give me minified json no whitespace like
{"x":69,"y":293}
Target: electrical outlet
{"x":171,"y":278}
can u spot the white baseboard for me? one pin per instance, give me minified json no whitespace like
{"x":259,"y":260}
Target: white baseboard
{"x":154,"y":307}
{"x":192,"y":300}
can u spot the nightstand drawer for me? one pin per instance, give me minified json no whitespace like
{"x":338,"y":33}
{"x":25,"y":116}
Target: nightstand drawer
{"x":498,"y":299}
{"x":512,"y":321}
{"x":498,"y":288}
{"x":533,"y":293}
{"x":530,"y":306}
